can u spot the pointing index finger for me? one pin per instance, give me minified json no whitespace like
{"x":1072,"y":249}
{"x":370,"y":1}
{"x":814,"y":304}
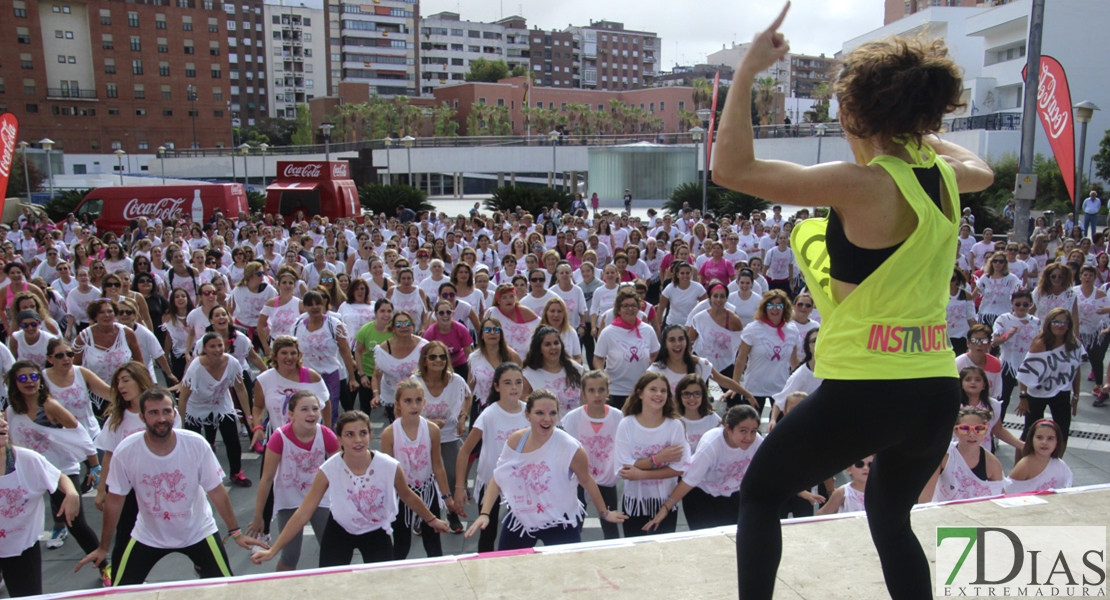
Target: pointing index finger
{"x":782,"y":16}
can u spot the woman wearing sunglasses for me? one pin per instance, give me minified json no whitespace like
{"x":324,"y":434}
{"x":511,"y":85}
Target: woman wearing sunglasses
{"x":148,"y":343}
{"x":39,"y":422}
{"x":395,"y":359}
{"x":71,"y":385}
{"x":123,"y":290}
{"x":105,"y":346}
{"x":995,"y":286}
{"x":249,"y":296}
{"x":490,"y":350}
{"x":323,"y":339}
{"x":1055,"y":290}
{"x":968,"y":470}
{"x":329,"y":285}
{"x":1049,"y":375}
{"x":198,"y":317}
{"x":17,"y":283}
{"x":281,"y":312}
{"x":768,"y":348}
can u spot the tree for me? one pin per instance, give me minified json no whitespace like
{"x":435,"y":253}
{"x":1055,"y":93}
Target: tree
{"x":302,"y":133}
{"x":489,"y":71}
{"x":820,"y":113}
{"x":1102,"y":159}
{"x":520,"y":70}
{"x":17,"y":185}
{"x":765,"y":89}
{"x":273,"y":131}
{"x":703,"y":92}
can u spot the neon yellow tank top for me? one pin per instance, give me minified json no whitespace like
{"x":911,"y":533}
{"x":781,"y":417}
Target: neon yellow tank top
{"x":894,"y":324}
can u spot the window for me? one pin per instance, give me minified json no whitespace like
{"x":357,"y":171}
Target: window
{"x":216,"y":72}
{"x":163,"y":46}
{"x":187,"y":23}
{"x":69,"y":35}
{"x":31,"y":108}
{"x":113,"y":111}
{"x":20,"y":9}
{"x":25,"y":61}
{"x":113,"y":92}
{"x":217,"y":113}
{"x":136,"y":44}
{"x":140,"y":91}
{"x":159,"y":21}
{"x":105,"y":16}
{"x":136,"y":67}
{"x":474,"y":48}
{"x":164,"y":68}
{"x":662,"y":106}
{"x":71,"y":60}
{"x":474,"y":34}
{"x":167,"y":112}
{"x":681,"y":105}
{"x":214,"y":48}
{"x":23,"y":35}
{"x":217,"y":95}
{"x":140,"y":112}
{"x":106,"y":41}
{"x":213,"y":25}
{"x":189,"y":47}
{"x":144,"y":145}
{"x":132,"y":19}
{"x":232,"y":26}
{"x":29,"y":87}
{"x":190,"y":69}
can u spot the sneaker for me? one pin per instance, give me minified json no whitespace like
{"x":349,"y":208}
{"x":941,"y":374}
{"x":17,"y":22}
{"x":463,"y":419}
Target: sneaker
{"x":57,"y":537}
{"x":1091,"y":376}
{"x":454,"y":522}
{"x":1101,"y":400}
{"x":258,"y":447}
{"x":106,"y":575}
{"x":240,"y":480}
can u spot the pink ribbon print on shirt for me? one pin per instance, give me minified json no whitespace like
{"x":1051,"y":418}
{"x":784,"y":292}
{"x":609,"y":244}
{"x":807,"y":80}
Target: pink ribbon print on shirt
{"x":15,"y":501}
{"x":370,"y":504}
{"x":536,"y":477}
{"x":165,"y":487}
{"x":598,"y":449}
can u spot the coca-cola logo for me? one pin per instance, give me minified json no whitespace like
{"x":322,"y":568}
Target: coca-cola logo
{"x":1055,"y":117}
{"x":302,"y":171}
{"x":7,"y":144}
{"x":339,"y":170}
{"x":163,"y":209}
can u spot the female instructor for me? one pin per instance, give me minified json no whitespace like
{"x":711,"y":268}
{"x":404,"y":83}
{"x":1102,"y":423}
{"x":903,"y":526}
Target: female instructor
{"x":878,"y":269}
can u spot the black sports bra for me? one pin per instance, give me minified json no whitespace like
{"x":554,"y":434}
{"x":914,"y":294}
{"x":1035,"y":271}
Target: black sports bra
{"x":850,"y":263}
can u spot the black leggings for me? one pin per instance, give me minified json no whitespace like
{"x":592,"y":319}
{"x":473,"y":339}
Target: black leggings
{"x":229,"y":431}
{"x":1096,"y":354}
{"x":1060,"y":405}
{"x":23,"y":574}
{"x":487,"y":539}
{"x":338,"y":546}
{"x":906,"y":424}
{"x":704,"y":510}
{"x":609,"y":495}
{"x":208,"y":556}
{"x":402,"y":533}
{"x":128,"y":515}
{"x":1009,"y":384}
{"x":85,"y":536}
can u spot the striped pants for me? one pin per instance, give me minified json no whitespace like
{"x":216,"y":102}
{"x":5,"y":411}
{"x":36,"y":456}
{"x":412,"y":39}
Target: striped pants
{"x":138,"y":559}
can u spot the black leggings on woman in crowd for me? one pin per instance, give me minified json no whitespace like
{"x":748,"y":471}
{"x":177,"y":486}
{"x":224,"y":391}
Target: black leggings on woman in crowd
{"x":229,"y":431}
{"x":85,"y":536}
{"x":906,"y":425}
{"x":1096,"y":354}
{"x":337,"y":547}
{"x":23,"y":573}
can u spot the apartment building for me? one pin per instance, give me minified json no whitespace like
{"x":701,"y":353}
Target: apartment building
{"x":897,"y":9}
{"x":448,"y":44}
{"x":807,"y":72}
{"x":117,"y":75}
{"x":730,"y":57}
{"x":297,"y":47}
{"x":615,"y":58}
{"x":374,"y":42}
{"x":246,"y":61}
{"x":555,"y":58}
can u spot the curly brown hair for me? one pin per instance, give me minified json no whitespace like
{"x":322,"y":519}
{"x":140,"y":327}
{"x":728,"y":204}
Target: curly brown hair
{"x":898,"y":89}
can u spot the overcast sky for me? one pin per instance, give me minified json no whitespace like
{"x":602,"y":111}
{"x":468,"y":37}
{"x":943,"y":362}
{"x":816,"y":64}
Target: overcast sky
{"x":694,"y":27}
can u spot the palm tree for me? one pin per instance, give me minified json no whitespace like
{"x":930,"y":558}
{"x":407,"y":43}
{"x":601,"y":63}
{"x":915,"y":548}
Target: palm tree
{"x":688,"y":119}
{"x":766,"y":88}
{"x":703,"y":92}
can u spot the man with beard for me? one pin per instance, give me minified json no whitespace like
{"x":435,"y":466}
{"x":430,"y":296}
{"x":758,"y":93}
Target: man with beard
{"x":171,"y":472}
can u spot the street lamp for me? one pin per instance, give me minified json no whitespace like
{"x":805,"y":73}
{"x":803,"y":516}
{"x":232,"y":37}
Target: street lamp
{"x":48,"y":145}
{"x":162,"y":157}
{"x":231,"y":152}
{"x":388,"y":141}
{"x":119,"y":160}
{"x":703,"y":115}
{"x":408,"y":141}
{"x":263,"y":147}
{"x":326,"y":130}
{"x":821,"y":129}
{"x":26,"y":173}
{"x":1083,"y":113}
{"x":698,"y":135}
{"x":553,"y":135}
{"x":246,"y":150}
{"x":191,"y":96}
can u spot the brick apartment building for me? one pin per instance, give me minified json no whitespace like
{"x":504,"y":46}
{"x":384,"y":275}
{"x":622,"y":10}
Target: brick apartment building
{"x":107,"y":75}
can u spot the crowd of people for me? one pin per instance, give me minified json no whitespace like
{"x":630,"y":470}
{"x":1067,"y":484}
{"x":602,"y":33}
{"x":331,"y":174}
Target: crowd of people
{"x":560,"y":356}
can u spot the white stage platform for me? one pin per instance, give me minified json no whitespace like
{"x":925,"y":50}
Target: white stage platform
{"x":823,"y":559}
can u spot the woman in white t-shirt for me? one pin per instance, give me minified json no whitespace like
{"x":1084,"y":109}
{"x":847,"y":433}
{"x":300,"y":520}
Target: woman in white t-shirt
{"x":25,"y":476}
{"x":538,"y":474}
{"x":779,"y":264}
{"x":249,"y":297}
{"x":1013,"y":333}
{"x":594,"y":425}
{"x":294,"y":454}
{"x":715,"y":332}
{"x":548,"y":366}
{"x":626,"y":347}
{"x":995,"y":286}
{"x":447,"y":402}
{"x":768,"y":347}
{"x":744,"y":296}
{"x":554,"y":315}
{"x":680,"y":296}
{"x":675,"y":361}
{"x":1041,"y":466}
{"x":363,"y":488}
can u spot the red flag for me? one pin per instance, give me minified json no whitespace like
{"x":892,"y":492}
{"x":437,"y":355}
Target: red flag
{"x":712,"y":121}
{"x":9,"y":126}
{"x":1054,"y":109}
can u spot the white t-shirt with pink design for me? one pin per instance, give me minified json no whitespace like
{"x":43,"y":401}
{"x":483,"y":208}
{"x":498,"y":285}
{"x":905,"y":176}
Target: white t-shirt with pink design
{"x":445,"y":407}
{"x":569,"y":396}
{"x":627,"y":355}
{"x":769,"y":359}
{"x":496,"y":425}
{"x":598,"y":437}
{"x":717,"y":468}
{"x":210,"y":398}
{"x":696,"y":430}
{"x":958,"y":482}
{"x":395,"y":369}
{"x":366,"y":502}
{"x":248,"y":304}
{"x":539,"y":486}
{"x":171,"y":489}
{"x":297,"y":470}
{"x":132,"y":423}
{"x":280,"y":319}
{"x":75,"y":397}
{"x":1055,"y":476}
{"x":320,"y":347}
{"x":21,"y":501}
{"x":634,"y":441}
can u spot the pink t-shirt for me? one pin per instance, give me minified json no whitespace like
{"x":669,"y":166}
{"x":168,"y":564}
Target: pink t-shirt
{"x":458,"y":341}
{"x":276,"y":443}
{"x":722,"y":271}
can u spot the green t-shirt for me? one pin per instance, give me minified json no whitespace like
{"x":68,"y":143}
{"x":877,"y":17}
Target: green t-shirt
{"x":370,"y":337}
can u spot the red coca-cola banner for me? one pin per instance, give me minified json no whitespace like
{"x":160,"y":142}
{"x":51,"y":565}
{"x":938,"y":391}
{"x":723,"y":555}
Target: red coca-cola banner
{"x":1054,"y":109}
{"x":9,"y":127}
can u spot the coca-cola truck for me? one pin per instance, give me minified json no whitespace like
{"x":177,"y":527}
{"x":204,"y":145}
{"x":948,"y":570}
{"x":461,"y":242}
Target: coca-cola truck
{"x":313,"y":188}
{"x":113,"y":208}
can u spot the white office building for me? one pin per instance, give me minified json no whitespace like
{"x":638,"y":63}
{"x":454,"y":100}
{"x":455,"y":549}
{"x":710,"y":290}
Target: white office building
{"x":297,"y":44}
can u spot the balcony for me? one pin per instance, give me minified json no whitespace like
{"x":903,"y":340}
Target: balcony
{"x":53,"y":93}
